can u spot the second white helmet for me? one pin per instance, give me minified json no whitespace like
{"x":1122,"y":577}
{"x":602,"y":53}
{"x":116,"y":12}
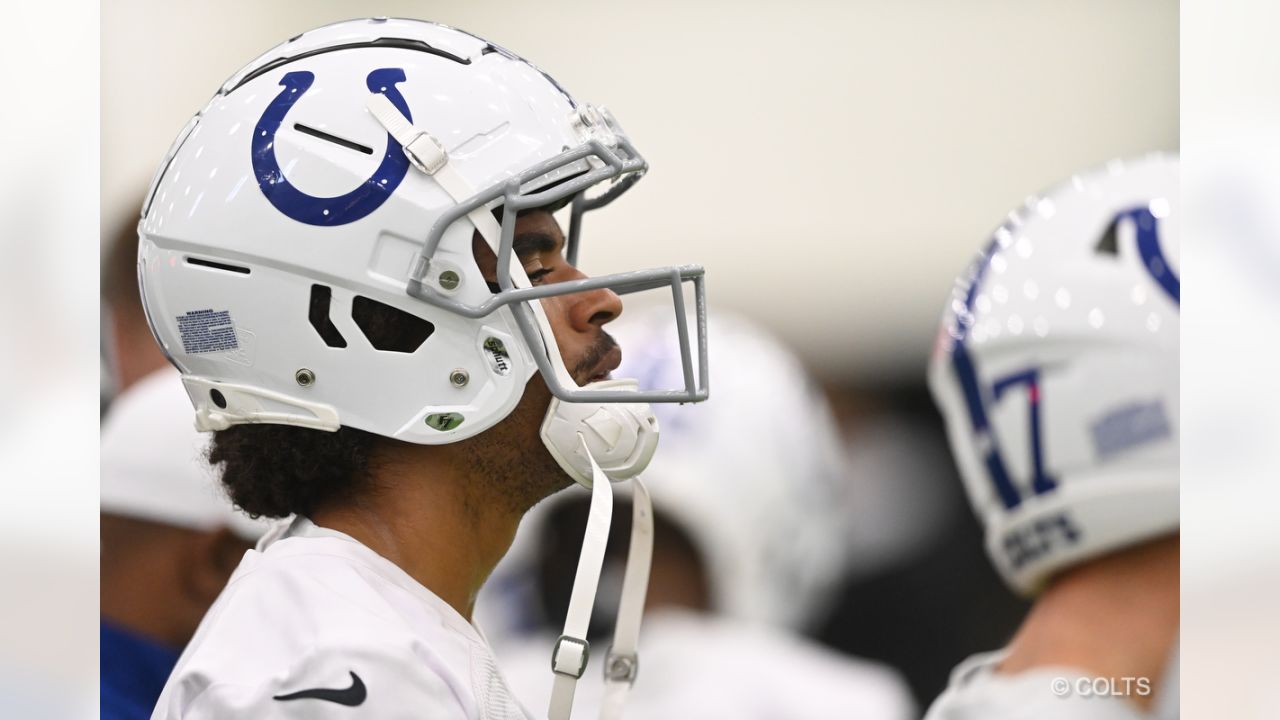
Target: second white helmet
{"x":1056,"y":370}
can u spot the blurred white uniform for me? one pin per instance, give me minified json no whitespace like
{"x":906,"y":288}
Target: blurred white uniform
{"x":699,"y":666}
{"x":315,"y":615}
{"x":757,"y":480}
{"x":977,"y":692}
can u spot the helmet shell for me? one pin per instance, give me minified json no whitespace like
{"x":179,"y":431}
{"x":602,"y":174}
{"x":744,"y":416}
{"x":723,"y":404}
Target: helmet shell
{"x":285,"y":187}
{"x":1056,"y":370}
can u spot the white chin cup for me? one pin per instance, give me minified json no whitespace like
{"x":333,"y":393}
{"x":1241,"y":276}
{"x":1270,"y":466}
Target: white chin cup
{"x":621,"y":436}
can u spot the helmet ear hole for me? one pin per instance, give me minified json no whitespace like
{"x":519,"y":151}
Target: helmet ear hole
{"x":388,"y":328}
{"x":218,"y":399}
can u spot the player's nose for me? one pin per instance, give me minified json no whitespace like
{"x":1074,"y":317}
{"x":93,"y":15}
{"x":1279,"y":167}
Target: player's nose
{"x":593,"y":309}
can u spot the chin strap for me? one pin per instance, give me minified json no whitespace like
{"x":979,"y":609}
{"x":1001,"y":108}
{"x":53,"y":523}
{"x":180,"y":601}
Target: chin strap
{"x":622,"y":662}
{"x":428,"y":155}
{"x":571,"y":652}
{"x":570,"y":655}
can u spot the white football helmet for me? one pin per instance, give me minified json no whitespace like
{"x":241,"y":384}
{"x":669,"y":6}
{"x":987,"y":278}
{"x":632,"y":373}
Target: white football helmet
{"x":1056,"y":370}
{"x":347,"y":169}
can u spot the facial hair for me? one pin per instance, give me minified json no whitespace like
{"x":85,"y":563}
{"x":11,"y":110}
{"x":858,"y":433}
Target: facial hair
{"x":509,"y":465}
{"x":585,"y":367}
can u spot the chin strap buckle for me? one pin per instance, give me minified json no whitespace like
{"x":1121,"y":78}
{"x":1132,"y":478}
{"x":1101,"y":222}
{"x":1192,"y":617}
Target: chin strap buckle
{"x":569,"y":658}
{"x":426,"y":153}
{"x":423,"y":150}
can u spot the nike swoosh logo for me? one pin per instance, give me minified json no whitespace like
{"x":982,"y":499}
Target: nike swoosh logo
{"x":350,"y":697}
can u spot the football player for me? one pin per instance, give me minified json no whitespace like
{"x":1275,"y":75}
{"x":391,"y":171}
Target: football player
{"x":1056,"y":370}
{"x":352,"y":257}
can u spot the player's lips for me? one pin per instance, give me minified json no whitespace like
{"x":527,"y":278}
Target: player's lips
{"x":607,"y":365}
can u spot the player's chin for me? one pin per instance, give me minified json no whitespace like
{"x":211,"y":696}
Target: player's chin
{"x":546,"y":477}
{"x":562,"y":481}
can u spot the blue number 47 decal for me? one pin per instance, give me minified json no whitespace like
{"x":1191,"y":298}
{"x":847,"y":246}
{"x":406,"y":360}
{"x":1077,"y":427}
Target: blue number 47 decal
{"x":976,"y":396}
{"x":985,"y":439}
{"x":1041,"y":482}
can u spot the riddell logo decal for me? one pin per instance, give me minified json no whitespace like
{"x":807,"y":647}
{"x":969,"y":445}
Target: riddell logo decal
{"x":498,"y":357}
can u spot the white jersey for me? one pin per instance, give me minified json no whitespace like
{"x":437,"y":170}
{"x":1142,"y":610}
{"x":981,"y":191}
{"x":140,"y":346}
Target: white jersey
{"x":315,"y":625}
{"x":701,"y":667}
{"x":977,"y":692}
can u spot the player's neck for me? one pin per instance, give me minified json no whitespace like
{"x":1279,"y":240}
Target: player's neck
{"x":1114,"y":617}
{"x":430,"y":520}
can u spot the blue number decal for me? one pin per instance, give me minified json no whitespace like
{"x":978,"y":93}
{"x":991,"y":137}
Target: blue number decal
{"x":967,"y":376}
{"x":327,"y":211}
{"x":983,"y":437}
{"x":1147,"y":229}
{"x":1040,"y":481}
{"x":976,"y":401}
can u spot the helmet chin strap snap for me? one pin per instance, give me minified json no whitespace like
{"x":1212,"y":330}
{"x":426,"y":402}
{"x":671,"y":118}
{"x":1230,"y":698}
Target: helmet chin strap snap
{"x":571,"y":653}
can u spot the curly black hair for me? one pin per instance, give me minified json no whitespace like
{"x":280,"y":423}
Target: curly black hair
{"x":277,"y":470}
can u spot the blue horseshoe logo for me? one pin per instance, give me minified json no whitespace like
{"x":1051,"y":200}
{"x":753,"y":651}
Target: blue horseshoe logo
{"x":326,"y":211}
{"x":1153,"y":258}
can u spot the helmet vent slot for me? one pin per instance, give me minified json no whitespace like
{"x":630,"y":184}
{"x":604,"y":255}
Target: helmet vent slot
{"x":388,"y":328}
{"x":321,"y":295}
{"x":218,"y":266}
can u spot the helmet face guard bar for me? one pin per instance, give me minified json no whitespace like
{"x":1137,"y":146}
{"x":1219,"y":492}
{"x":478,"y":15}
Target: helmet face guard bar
{"x":606,"y":162}
{"x":623,"y":283}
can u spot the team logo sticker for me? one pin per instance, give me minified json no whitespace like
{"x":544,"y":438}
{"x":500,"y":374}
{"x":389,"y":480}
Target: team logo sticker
{"x":326,"y":211}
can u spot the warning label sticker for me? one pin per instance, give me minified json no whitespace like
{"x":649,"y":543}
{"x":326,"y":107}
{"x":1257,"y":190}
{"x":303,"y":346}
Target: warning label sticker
{"x":206,"y":331}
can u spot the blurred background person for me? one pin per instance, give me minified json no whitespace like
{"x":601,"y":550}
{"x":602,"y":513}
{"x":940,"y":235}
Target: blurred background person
{"x":1057,"y":371}
{"x":170,"y":540}
{"x":129,"y":351}
{"x":752,"y":525}
{"x":919,"y":592}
